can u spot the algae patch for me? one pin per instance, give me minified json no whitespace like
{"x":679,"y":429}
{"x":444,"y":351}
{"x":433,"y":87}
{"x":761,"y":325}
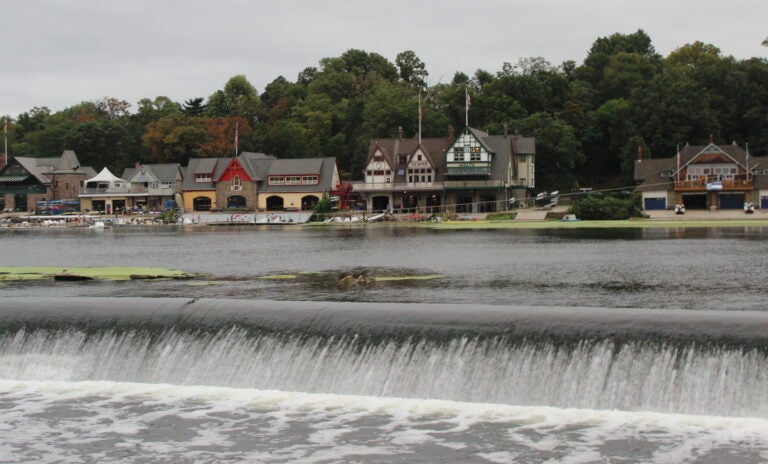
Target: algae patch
{"x":11,"y":273}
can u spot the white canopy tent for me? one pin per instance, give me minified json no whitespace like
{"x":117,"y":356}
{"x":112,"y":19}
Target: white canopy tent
{"x":105,"y":179}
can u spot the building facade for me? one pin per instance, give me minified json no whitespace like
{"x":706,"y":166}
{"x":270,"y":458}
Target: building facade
{"x":472,"y":173}
{"x":257,"y":182}
{"x":703,"y":177}
{"x":26,"y":181}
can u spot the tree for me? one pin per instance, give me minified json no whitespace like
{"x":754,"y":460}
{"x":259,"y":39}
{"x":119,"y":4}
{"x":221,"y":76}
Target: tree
{"x":634,"y":49}
{"x":238,"y":98}
{"x":673,"y":109}
{"x":558,"y":151}
{"x":194,"y":107}
{"x":220,"y":140}
{"x":175,"y":138}
{"x":101,"y":142}
{"x":412,"y":70}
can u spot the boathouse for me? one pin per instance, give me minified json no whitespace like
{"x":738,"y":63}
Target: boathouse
{"x":706,"y":177}
{"x":473,"y":173}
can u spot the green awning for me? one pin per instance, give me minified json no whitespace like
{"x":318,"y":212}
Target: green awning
{"x":13,"y":178}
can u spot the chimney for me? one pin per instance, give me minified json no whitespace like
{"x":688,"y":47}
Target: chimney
{"x":506,"y":130}
{"x":137,"y":165}
{"x":451,"y":133}
{"x":400,"y":132}
{"x":639,"y":153}
{"x":711,"y":138}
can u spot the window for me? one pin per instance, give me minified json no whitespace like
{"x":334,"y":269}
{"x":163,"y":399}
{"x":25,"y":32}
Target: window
{"x":418,"y":157}
{"x":292,"y":180}
{"x":200,"y":178}
{"x":276,"y":180}
{"x":402,"y":159}
{"x":310,"y":180}
{"x":458,"y":156}
{"x":474,"y":156}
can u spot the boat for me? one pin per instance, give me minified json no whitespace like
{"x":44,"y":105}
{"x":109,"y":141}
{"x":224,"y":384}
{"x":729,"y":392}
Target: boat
{"x":375,"y":218}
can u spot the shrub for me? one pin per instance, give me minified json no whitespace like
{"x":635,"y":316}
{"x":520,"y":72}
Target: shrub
{"x":500,"y":216}
{"x":606,"y":208}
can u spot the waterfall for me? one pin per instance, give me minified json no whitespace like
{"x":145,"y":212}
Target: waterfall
{"x":596,"y":374}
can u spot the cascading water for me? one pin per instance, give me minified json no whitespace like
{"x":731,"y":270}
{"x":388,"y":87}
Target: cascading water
{"x":463,"y":361}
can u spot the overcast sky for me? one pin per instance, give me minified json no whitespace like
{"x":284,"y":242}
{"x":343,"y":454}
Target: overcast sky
{"x":60,"y":53}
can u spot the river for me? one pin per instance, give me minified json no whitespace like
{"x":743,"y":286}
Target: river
{"x":582,"y":346}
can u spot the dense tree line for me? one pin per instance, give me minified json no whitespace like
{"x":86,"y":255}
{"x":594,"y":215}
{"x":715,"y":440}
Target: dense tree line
{"x":588,"y":119}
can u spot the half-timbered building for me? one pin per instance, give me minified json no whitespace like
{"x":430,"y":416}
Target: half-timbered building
{"x":474,"y":172}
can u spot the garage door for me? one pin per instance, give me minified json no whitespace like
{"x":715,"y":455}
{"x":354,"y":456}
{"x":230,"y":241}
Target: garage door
{"x":731,"y":200}
{"x":654,"y":204}
{"x":763,"y":202}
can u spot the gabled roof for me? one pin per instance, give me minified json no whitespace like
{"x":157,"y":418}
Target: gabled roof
{"x":648,"y":172}
{"x":205,"y":165}
{"x":323,"y":167}
{"x":481,"y":136}
{"x":212,"y":166}
{"x":64,"y":164}
{"x":255,"y":164}
{"x":288,"y":167}
{"x":433,"y":148}
{"x":691,"y":153}
{"x":167,"y":172}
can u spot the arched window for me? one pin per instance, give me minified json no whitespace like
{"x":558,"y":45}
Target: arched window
{"x":201,"y":204}
{"x":236,"y":201}
{"x":275,"y":203}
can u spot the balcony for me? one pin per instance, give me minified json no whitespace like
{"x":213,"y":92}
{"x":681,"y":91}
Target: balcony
{"x":371,"y":187}
{"x":136,"y":189}
{"x":700,"y":185}
{"x":473,"y":184}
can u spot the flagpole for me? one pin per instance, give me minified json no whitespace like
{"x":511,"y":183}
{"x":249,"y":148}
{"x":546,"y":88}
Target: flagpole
{"x":419,"y":117}
{"x":5,"y":137}
{"x":747,"y":146}
{"x":237,"y":126}
{"x":466,"y":106}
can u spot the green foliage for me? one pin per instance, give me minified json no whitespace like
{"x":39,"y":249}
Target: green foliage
{"x":322,"y":208}
{"x":588,"y":119}
{"x":501,"y":216}
{"x":599,"y":208}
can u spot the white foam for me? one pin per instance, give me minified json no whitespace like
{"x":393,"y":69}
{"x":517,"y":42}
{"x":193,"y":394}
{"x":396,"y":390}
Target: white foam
{"x":329,"y":424}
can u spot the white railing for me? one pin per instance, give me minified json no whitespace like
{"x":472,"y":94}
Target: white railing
{"x":474,"y":184}
{"x":395,"y":186}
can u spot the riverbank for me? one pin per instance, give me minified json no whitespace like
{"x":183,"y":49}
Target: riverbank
{"x":525,"y":219}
